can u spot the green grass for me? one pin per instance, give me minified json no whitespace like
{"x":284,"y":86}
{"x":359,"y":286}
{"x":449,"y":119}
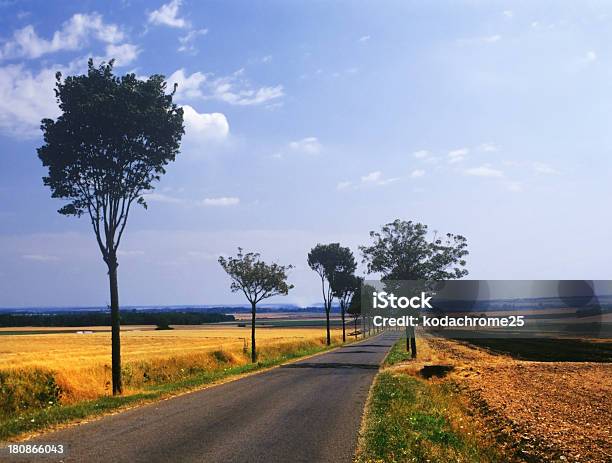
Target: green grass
{"x":397,"y":353}
{"x":410,"y":420}
{"x":36,"y":420}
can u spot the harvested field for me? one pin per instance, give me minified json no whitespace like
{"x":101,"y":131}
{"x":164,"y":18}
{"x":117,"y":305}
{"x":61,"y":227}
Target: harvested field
{"x":541,"y":411}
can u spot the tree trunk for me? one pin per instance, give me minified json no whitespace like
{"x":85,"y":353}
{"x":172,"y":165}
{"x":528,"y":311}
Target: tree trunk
{"x":413,"y":345}
{"x":407,"y":340}
{"x":327,"y":310}
{"x":253,"y":350}
{"x":343,"y":326}
{"x":115,"y":325}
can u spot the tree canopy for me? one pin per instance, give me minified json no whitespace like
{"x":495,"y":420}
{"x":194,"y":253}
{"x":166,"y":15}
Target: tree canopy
{"x":256,"y":279}
{"x":113,"y":139}
{"x":403,"y":250}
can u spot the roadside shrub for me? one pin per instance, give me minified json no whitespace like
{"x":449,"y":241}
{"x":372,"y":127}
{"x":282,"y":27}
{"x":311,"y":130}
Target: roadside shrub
{"x":22,"y":390}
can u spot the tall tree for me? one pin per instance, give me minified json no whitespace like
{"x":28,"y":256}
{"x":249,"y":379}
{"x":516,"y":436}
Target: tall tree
{"x":344,"y":286}
{"x":404,"y":250}
{"x":111,"y":142}
{"x":257,"y":281}
{"x":330,"y":260}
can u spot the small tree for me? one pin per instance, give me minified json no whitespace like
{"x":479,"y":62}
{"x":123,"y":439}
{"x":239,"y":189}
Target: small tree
{"x":330,"y":260}
{"x":403,"y":250}
{"x":354,"y":306}
{"x":111,"y":142}
{"x":257,"y":280}
{"x":344,"y":287}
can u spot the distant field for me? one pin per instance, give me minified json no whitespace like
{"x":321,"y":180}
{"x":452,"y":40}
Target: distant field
{"x":81,"y":362}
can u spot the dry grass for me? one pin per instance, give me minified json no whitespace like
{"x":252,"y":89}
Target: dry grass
{"x":80,"y":363}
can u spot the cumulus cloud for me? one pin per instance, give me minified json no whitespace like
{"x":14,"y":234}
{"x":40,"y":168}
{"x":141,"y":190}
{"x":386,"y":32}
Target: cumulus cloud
{"x":591,"y":56}
{"x":73,"y":35}
{"x":203,"y":127}
{"x":364,"y":38}
{"x":26,"y":98}
{"x":308,"y":145}
{"x":168,"y":15}
{"x":484,"y":171}
{"x":417,"y":173}
{"x":123,"y":54}
{"x":189,"y":86}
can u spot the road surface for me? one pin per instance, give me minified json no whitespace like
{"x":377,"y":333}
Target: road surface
{"x":307,"y":411}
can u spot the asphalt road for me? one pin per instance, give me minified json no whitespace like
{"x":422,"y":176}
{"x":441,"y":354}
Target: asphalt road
{"x":307,"y":411}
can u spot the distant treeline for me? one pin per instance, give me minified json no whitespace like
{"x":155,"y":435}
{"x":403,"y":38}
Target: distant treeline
{"x":103,"y":318}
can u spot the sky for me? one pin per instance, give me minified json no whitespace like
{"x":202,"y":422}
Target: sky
{"x":317,"y":121}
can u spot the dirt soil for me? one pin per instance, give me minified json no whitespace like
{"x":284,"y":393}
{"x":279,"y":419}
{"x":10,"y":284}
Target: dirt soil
{"x":539,"y":411}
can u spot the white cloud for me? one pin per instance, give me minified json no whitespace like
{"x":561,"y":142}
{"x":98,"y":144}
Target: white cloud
{"x":40,"y":257}
{"x":188,"y":86}
{"x":167,"y":199}
{"x":484,"y":171}
{"x":26,"y":98}
{"x":161,"y":198}
{"x":372,"y":177}
{"x":457,"y":155}
{"x":508,"y":14}
{"x":343,"y":185}
{"x":542,"y":168}
{"x":187,"y":41}
{"x":308,"y":145}
{"x":233,"y":89}
{"x":364,"y":38}
{"x":421,"y":154}
{"x":123,"y":54}
{"x":73,"y":35}
{"x":266,"y":59}
{"x":221,"y":202}
{"x":417,"y":173}
{"x":228,"y":89}
{"x":376,"y":178}
{"x":203,"y":127}
{"x":167,"y":15}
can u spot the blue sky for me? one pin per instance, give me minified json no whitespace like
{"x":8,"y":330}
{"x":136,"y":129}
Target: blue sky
{"x":316,"y":122}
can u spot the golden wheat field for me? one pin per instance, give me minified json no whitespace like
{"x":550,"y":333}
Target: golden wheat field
{"x":80,"y":362}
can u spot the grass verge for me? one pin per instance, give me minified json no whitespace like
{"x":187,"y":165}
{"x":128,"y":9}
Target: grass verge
{"x":409,"y":419}
{"x":37,"y":420}
{"x":397,"y":354}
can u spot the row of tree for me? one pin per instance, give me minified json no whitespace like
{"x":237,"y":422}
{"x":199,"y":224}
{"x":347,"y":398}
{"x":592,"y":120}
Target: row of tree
{"x":402,"y":250}
{"x":112,"y":142}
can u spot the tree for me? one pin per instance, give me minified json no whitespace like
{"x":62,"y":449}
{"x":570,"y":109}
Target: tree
{"x":403,"y":250}
{"x":354,"y":306}
{"x":111,"y":142}
{"x":330,"y":260}
{"x":257,"y":280}
{"x":344,"y":286}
